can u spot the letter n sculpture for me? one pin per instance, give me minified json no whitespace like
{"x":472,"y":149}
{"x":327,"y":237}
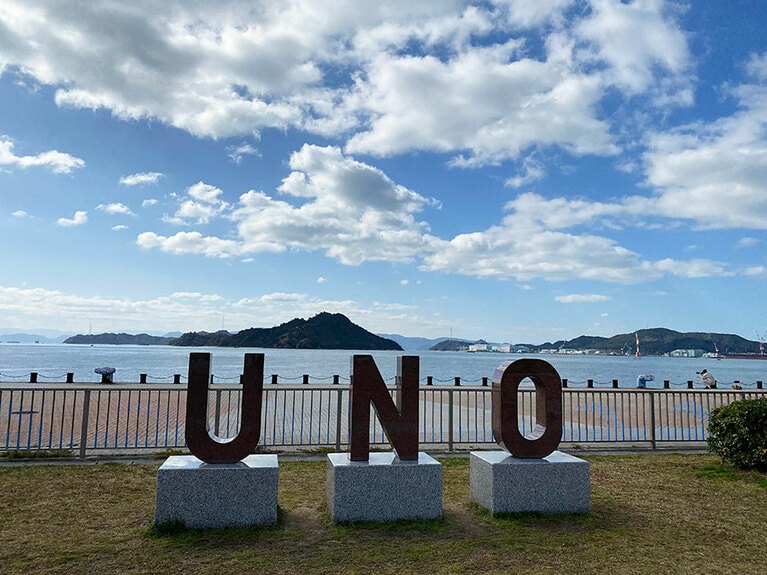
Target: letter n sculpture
{"x":384,"y":486}
{"x":529,"y":474}
{"x":222,"y":483}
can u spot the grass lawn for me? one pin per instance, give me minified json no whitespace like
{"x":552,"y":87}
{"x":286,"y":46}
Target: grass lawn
{"x":650,"y":514}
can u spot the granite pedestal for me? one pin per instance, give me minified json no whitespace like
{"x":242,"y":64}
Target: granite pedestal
{"x":383,"y":488}
{"x":217,"y":495}
{"x":501,"y":483}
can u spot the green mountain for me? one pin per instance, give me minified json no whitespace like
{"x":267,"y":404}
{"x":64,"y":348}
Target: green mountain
{"x":323,"y":331}
{"x":660,"y":341}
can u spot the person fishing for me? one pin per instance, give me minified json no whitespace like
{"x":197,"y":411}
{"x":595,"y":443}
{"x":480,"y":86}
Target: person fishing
{"x":708,"y":380}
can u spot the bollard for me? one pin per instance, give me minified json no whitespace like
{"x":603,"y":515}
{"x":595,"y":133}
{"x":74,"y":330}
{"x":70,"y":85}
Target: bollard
{"x":564,"y":382}
{"x":589,"y":383}
{"x":33,"y":377}
{"x":211,"y":379}
{"x":615,"y":384}
{"x":306,"y":379}
{"x":666,"y":384}
{"x":689,"y":384}
{"x":335,"y":379}
{"x":176,"y":378}
{"x":428,"y":380}
{"x":274,"y":379}
{"x":142,"y":378}
{"x":759,"y":384}
{"x":484,"y":382}
{"x":70,"y":377}
{"x":457,"y":381}
{"x":106,"y":378}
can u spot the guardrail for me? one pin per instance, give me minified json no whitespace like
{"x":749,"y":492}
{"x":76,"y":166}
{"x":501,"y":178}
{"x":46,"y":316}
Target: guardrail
{"x":92,"y":418}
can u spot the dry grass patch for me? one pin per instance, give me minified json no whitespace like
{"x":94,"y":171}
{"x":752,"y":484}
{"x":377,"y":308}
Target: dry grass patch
{"x":650,"y":514}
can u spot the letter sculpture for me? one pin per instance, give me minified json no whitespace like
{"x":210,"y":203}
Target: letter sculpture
{"x":547,"y":434}
{"x":400,"y":421}
{"x":201,"y":442}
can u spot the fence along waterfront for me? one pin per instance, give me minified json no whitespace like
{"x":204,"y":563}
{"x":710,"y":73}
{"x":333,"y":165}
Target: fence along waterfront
{"x":94,"y":418}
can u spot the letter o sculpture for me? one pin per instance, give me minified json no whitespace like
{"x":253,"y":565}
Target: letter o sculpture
{"x":547,"y":434}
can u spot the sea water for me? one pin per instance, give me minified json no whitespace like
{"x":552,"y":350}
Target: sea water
{"x":53,"y":361}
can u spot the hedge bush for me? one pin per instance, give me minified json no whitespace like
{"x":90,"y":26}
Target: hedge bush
{"x":738,"y":433}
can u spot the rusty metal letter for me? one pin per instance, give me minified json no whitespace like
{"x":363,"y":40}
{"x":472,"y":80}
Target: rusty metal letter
{"x":201,"y":442}
{"x":400,"y":421}
{"x":547,"y":434}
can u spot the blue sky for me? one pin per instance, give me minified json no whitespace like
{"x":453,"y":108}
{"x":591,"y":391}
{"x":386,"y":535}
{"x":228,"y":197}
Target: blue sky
{"x":509,"y":170}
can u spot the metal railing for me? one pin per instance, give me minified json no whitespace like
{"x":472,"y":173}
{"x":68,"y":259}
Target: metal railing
{"x":91,"y":418}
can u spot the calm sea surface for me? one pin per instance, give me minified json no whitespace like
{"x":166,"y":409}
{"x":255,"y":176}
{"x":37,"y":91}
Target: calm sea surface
{"x":160,"y":363}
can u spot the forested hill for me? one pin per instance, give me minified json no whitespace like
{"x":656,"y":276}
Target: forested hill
{"x":659,"y":341}
{"x":323,"y":331}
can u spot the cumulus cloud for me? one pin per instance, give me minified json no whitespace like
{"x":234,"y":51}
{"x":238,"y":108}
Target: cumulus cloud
{"x":20,"y":214}
{"x":237,"y":153}
{"x":456,"y":77}
{"x":116,"y":208}
{"x":141,"y":179}
{"x":79,"y":219}
{"x":57,"y":162}
{"x":714,"y":173}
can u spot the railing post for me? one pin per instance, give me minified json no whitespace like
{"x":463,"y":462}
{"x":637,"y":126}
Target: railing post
{"x":339,"y":407}
{"x":84,"y":424}
{"x":450,"y":421}
{"x":218,"y":413}
{"x":652,"y":418}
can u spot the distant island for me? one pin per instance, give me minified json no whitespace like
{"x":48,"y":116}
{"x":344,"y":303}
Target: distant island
{"x":336,"y":331}
{"x":655,"y":341}
{"x":323,"y":331}
{"x":118,"y":339}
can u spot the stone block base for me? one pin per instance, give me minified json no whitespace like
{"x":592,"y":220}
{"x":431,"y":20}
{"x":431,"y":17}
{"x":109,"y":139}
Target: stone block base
{"x":217,"y":495}
{"x":383,"y":488}
{"x":502,"y":483}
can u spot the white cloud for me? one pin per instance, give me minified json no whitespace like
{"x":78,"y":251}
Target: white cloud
{"x":79,"y":219}
{"x":20,"y":214}
{"x":141,"y":179}
{"x":757,"y":66}
{"x":748,"y":242}
{"x":321,"y":280}
{"x":149,"y":202}
{"x":237,"y":153}
{"x":189,"y":243}
{"x":583,"y":298}
{"x":473,"y":86}
{"x":715,"y":173}
{"x":116,"y":208}
{"x":57,"y":162}
{"x":119,"y":228}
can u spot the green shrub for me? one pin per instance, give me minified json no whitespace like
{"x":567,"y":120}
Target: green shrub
{"x":738,"y":433}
